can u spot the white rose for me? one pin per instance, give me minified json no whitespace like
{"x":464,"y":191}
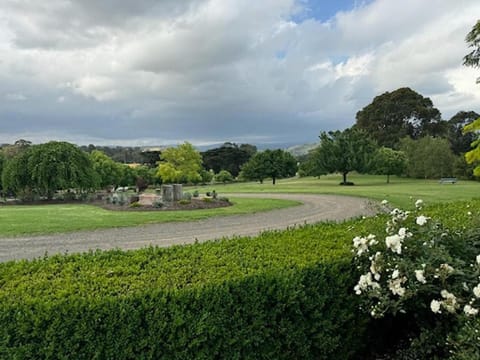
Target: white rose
{"x":435,"y":306}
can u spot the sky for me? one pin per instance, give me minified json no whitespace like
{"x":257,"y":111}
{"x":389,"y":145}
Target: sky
{"x":148,"y":72}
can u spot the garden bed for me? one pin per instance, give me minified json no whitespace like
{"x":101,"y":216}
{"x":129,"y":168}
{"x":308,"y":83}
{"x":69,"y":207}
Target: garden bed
{"x":194,"y":204}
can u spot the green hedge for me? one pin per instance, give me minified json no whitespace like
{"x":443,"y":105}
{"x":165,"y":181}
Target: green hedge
{"x":281,"y":295}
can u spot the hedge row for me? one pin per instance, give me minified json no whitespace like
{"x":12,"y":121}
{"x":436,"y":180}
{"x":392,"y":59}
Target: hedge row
{"x":281,"y":295}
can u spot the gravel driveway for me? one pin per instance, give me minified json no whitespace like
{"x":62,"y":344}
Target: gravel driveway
{"x":315,"y":208}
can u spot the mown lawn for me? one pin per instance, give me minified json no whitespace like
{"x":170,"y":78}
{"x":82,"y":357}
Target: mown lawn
{"x":400,"y":192}
{"x":48,"y":219}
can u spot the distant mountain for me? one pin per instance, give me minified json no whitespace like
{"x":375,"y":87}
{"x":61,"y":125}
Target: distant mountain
{"x":299,"y":150}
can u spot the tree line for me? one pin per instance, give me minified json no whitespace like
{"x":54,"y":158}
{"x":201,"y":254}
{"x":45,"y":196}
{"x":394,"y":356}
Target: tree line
{"x":399,"y":133}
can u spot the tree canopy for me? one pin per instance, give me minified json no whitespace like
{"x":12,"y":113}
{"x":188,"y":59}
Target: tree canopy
{"x":428,"y":157}
{"x":460,"y":141}
{"x":48,"y":167}
{"x":403,"y":112}
{"x":473,"y":156}
{"x":229,"y":157}
{"x":389,"y":162}
{"x":343,"y":152}
{"x":274,"y":164}
{"x":181,"y":164}
{"x":473,"y":40}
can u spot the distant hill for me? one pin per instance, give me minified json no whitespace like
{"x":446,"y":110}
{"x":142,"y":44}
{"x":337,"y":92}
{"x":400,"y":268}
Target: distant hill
{"x":299,"y":150}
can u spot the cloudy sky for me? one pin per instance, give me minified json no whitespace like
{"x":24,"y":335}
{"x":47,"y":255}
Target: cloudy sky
{"x":150,"y":72}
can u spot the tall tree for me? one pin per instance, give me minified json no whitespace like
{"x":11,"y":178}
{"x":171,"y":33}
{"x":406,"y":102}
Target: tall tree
{"x":274,"y":164}
{"x":394,"y":115}
{"x":460,"y":141}
{"x":389,"y":162}
{"x":428,"y":157}
{"x":228,"y":157}
{"x":59,"y":165}
{"x":343,"y":152}
{"x":181,"y":164}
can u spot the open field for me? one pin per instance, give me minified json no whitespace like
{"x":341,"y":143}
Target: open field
{"x":401,"y":192}
{"x":49,"y":219}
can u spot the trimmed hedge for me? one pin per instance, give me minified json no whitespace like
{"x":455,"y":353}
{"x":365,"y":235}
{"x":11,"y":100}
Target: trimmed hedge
{"x":281,"y":295}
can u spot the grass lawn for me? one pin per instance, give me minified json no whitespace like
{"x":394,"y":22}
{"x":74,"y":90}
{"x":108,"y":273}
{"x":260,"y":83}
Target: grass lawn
{"x":401,"y":192}
{"x":49,"y":219}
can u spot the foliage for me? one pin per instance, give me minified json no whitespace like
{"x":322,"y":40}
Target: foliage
{"x":394,"y":115}
{"x":48,"y":167}
{"x":343,"y":152}
{"x":428,"y":157}
{"x":389,"y":162}
{"x":224,"y":176}
{"x":274,"y":164}
{"x":229,"y":157}
{"x":460,"y":141}
{"x":207,"y":176}
{"x":473,"y":39}
{"x":421,"y":275}
{"x":181,"y":164}
{"x":473,"y":156}
{"x":108,"y":171}
{"x":282,"y":295}
{"x":122,"y":154}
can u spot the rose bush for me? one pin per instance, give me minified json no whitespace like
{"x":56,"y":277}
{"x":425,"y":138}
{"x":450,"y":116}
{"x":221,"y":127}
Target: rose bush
{"x":422,"y":271}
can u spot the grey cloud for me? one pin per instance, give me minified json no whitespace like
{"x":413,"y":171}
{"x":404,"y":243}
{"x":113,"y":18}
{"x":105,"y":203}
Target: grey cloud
{"x":211,"y":71}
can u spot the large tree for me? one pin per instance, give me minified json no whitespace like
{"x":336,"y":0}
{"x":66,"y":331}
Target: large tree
{"x":459,"y":140}
{"x":45,"y":168}
{"x":181,"y":164}
{"x":228,"y":157}
{"x":394,"y":115}
{"x":274,"y":164}
{"x":428,"y":157}
{"x":343,"y":152}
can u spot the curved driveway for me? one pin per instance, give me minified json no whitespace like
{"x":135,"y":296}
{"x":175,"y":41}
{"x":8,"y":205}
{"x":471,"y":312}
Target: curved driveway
{"x":315,"y":208}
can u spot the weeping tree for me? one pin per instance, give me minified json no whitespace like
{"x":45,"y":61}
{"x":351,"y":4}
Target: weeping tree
{"x":45,"y":168}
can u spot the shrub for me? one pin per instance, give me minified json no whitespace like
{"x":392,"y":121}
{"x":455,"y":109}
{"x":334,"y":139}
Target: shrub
{"x":208,"y":200}
{"x":423,"y":276}
{"x":195,"y":194}
{"x":135,"y":204}
{"x":283,"y":295}
{"x":187,"y":196}
{"x":184,"y":201}
{"x":157,"y":203}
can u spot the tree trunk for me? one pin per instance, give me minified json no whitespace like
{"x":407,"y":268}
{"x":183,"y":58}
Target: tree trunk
{"x":345,"y":177}
{"x":273,"y":180}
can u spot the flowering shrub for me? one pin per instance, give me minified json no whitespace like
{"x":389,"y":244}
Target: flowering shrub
{"x":422,"y":269}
